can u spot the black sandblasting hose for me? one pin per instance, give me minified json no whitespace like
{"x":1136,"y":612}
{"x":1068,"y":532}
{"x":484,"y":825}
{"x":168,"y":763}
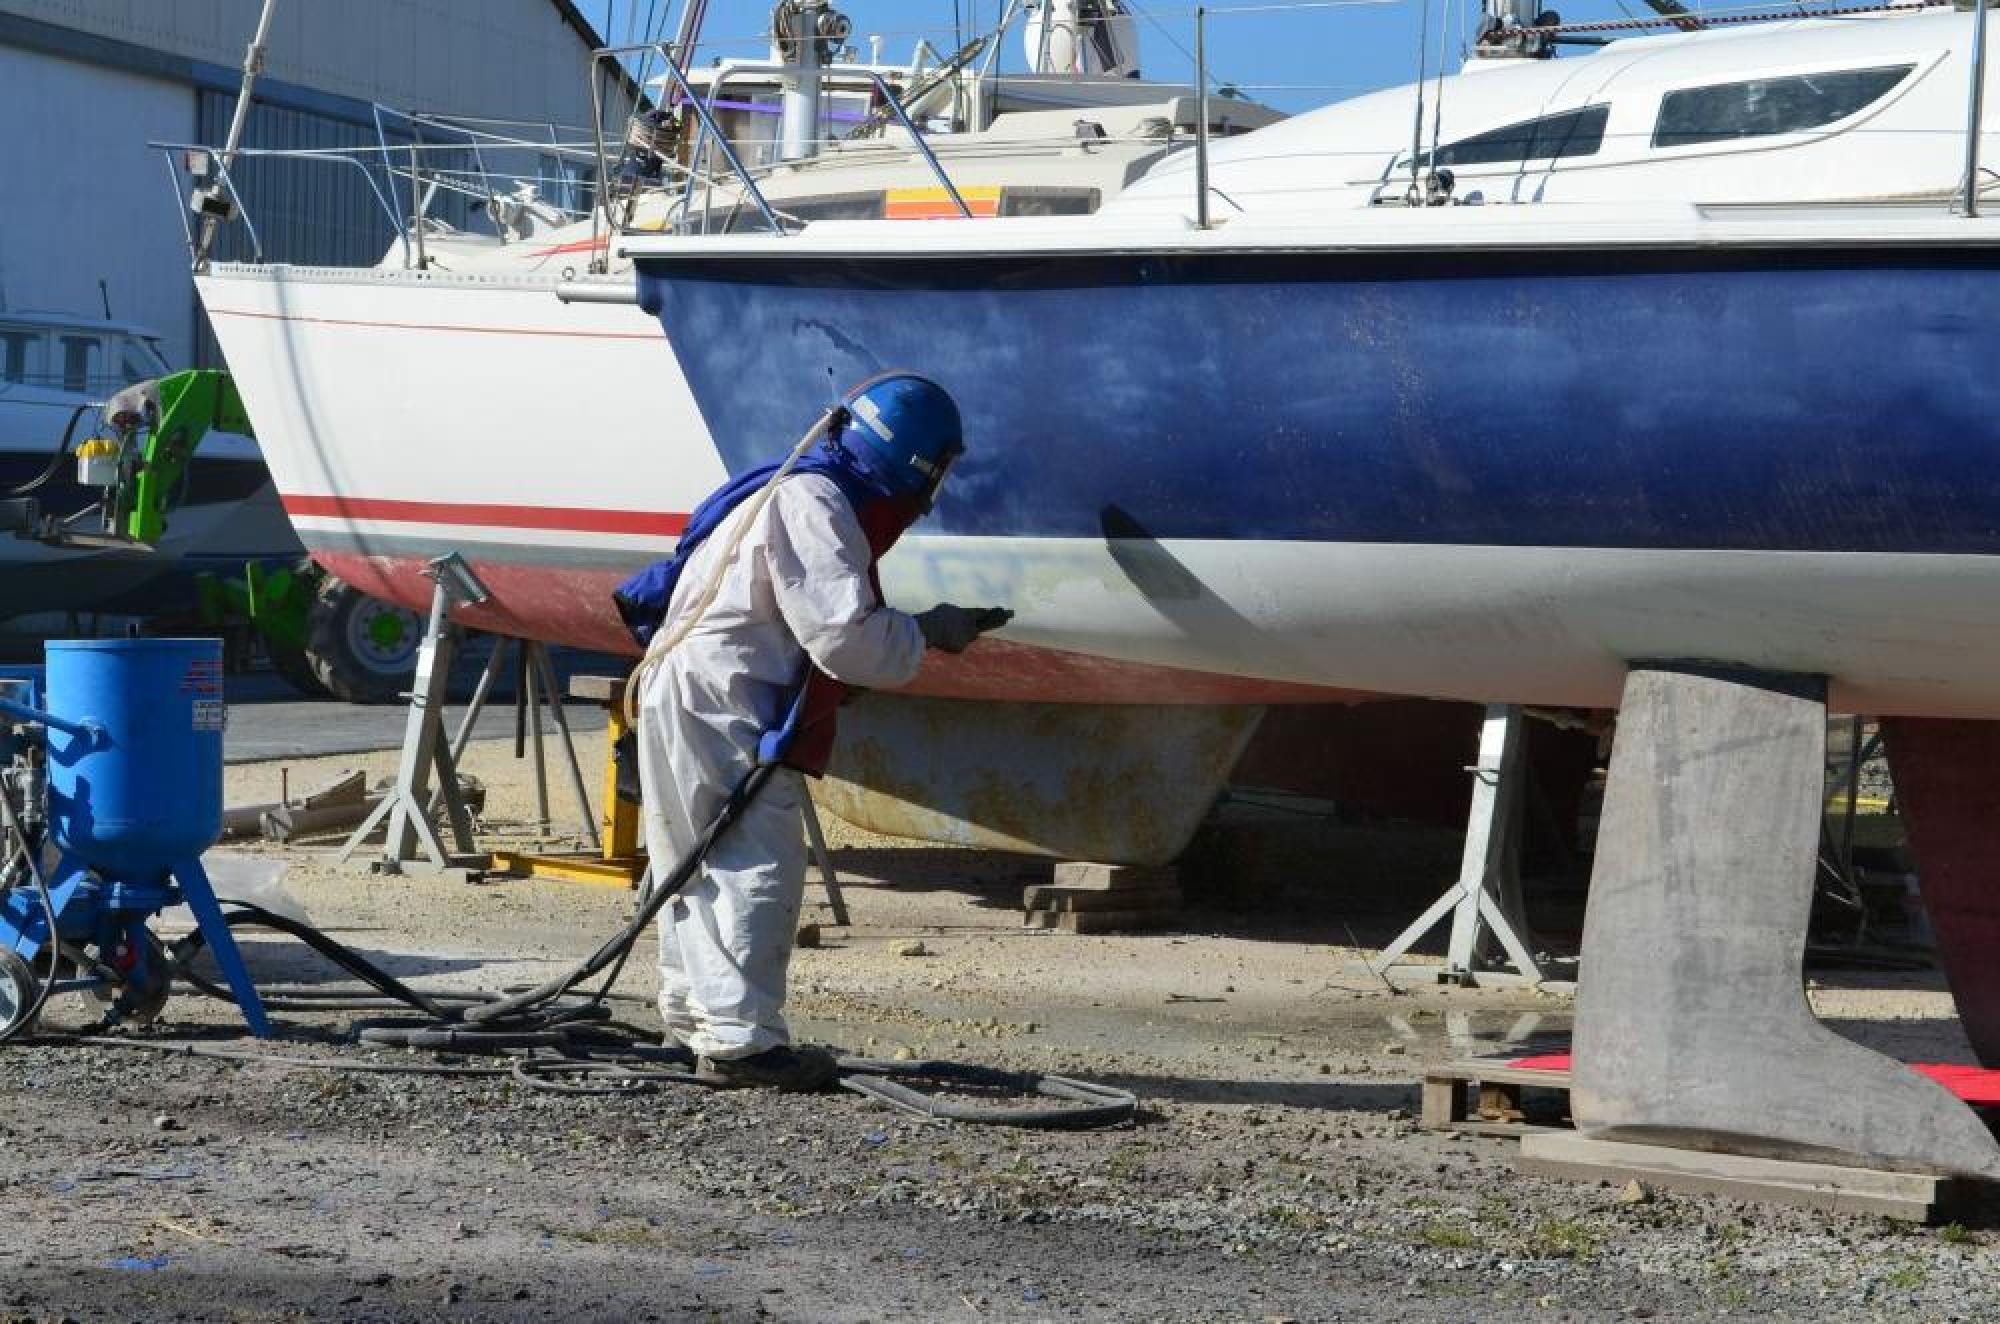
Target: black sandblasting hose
{"x":41,"y":480}
{"x":1101,"y":1105}
{"x":664,"y":890}
{"x":574,"y":1047}
{"x":24,"y":850}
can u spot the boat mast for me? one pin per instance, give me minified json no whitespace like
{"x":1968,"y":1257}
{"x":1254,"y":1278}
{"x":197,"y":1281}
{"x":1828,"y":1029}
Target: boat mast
{"x":693,"y":15}
{"x":805,"y":34}
{"x":1974,"y":113}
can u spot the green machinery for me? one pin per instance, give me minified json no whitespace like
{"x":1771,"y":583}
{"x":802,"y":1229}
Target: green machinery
{"x":322,"y":635}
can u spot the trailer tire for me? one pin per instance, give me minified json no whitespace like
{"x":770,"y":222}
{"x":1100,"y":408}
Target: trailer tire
{"x":296,"y":669}
{"x":361,"y":649}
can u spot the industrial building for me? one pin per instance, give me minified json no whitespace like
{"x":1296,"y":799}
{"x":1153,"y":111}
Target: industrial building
{"x":85,"y":85}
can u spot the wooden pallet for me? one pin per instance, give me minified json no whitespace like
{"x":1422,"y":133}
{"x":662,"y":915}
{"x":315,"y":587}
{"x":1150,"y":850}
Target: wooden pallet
{"x":1910,"y":1197}
{"x":1103,"y":898}
{"x":1482,"y":1096}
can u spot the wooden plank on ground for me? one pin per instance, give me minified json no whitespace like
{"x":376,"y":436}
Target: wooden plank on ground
{"x":1046,"y":896}
{"x":1087,"y":876}
{"x":1830,"y":1188}
{"x":1100,"y":921}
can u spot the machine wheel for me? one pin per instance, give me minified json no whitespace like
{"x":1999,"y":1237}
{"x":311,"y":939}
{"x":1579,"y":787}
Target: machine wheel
{"x":297,"y":670}
{"x":361,"y":649}
{"x":18,"y":990}
{"x":142,"y":1000}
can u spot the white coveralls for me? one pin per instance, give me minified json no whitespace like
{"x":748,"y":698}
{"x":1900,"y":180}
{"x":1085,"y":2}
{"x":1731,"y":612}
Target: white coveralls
{"x":798,"y":587}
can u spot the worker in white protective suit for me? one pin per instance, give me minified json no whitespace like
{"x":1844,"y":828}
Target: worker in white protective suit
{"x":772,"y":609}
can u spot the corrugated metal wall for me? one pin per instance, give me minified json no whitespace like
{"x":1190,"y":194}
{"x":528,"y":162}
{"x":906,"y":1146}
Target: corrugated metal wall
{"x":127,"y":71}
{"x":460,"y":57}
{"x":319,"y":213}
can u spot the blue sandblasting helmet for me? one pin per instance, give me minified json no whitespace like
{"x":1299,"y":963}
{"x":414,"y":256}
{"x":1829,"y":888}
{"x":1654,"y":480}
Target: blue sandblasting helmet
{"x":905,"y":429}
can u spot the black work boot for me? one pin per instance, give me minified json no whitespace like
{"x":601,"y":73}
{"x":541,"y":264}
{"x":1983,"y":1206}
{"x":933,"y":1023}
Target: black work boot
{"x":794,"y":1070}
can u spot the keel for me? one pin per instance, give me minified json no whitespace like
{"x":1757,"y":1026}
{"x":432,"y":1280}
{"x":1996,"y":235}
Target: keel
{"x":1692,"y":1025}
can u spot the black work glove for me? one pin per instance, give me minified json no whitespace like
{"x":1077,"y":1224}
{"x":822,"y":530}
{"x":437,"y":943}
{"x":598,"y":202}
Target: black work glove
{"x":953,"y":628}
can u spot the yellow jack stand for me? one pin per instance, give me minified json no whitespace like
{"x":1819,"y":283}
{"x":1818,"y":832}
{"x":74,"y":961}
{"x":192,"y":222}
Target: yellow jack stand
{"x":617,"y":862}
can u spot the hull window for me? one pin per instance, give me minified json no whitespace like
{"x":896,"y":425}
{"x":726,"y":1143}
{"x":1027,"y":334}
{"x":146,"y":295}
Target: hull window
{"x":1551,"y":138}
{"x":1762,"y":107}
{"x":741,"y":218}
{"x":1033,"y":201}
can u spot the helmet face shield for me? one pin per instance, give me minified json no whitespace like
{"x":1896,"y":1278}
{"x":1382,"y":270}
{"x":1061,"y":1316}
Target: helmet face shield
{"x":938,"y":471}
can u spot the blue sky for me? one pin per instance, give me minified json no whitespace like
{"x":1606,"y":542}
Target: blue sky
{"x":1297,"y":57}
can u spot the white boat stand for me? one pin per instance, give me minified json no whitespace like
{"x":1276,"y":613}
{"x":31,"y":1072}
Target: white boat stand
{"x":1485,"y":903}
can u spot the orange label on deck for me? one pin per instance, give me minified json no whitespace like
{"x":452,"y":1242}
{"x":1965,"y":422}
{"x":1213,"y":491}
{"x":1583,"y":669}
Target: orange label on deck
{"x":929,"y":204}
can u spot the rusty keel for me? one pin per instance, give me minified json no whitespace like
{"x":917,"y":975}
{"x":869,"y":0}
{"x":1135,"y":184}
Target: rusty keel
{"x":1117,"y":783}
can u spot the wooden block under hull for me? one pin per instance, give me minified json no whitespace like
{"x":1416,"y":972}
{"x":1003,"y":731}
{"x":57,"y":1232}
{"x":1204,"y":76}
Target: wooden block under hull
{"x":1101,"y":921}
{"x":1042,"y":896}
{"x":1082,"y":875}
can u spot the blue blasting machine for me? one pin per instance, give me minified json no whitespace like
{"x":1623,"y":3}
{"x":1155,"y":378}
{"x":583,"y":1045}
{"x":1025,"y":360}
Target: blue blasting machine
{"x":113,"y":785}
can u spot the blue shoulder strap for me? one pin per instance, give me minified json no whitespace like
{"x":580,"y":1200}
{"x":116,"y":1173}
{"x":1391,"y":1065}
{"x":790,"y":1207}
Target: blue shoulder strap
{"x":643,"y":600}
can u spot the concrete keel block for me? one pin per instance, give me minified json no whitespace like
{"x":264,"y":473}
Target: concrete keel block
{"x":1692,"y":1026}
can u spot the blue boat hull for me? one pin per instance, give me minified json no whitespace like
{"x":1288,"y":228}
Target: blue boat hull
{"x":1694,"y":399}
{"x":1499,"y":474}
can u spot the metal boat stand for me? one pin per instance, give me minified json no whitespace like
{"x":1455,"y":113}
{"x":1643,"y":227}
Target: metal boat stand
{"x":1485,"y":903}
{"x":535,"y":693}
{"x":407,"y":806}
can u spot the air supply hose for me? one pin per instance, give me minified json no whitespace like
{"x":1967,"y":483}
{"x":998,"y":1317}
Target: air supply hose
{"x":566,"y":1042}
{"x":41,"y":480}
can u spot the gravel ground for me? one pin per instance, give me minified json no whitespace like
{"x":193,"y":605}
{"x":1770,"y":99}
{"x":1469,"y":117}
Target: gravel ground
{"x":1275,"y":1174}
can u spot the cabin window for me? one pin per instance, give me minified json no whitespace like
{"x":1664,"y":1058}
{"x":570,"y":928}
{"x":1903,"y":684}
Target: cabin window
{"x":1761,"y":107}
{"x":137,"y":362}
{"x":79,"y":353}
{"x":1032,"y":201}
{"x":836,"y":207}
{"x":14,"y":350}
{"x":1553,"y":137}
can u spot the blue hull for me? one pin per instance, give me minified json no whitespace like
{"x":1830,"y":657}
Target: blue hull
{"x":1681,"y":399}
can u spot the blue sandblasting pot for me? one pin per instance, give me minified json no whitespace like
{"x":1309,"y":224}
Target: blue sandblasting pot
{"x":146,"y":794}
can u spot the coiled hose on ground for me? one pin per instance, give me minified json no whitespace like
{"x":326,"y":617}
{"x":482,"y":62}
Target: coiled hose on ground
{"x":566,"y":1041}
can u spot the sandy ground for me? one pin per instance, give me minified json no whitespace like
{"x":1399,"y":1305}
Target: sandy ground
{"x":1276,"y":1172}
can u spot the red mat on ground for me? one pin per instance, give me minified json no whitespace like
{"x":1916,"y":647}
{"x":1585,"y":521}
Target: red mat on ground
{"x":1975,"y":1085}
